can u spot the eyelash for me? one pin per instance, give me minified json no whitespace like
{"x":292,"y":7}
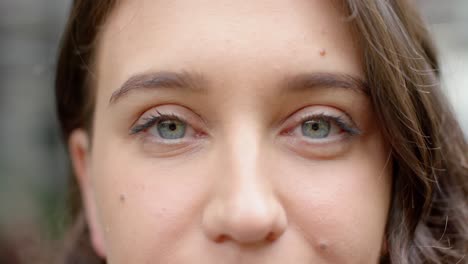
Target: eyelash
{"x":350,"y":129}
{"x":150,"y":121}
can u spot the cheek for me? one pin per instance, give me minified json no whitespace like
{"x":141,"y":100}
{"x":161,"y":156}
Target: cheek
{"x":146,"y":205}
{"x":340,"y":206}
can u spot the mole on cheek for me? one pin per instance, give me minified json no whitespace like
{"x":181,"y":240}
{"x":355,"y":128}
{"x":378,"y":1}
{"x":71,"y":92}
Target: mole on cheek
{"x":323,"y":245}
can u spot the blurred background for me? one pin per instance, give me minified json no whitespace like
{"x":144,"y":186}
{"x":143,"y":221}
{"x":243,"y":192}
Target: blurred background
{"x":33,"y":165}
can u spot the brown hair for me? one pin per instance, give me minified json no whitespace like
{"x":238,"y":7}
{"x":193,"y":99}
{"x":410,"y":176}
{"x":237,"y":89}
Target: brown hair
{"x":428,"y":216}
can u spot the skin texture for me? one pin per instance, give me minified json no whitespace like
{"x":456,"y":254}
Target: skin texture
{"x":244,"y":185}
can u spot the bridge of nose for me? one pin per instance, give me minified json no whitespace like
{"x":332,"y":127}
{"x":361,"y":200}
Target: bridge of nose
{"x":243,"y":208}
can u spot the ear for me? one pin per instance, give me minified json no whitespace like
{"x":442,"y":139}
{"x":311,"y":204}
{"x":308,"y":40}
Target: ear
{"x":79,"y":148}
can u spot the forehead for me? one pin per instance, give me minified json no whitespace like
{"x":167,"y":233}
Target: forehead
{"x":241,"y":40}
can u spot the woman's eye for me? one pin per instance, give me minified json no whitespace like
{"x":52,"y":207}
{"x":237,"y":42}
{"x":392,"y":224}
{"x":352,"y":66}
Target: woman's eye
{"x":164,"y":127}
{"x":168,"y":129}
{"x":324,"y":127}
{"x":319,"y":132}
{"x":316,"y":128}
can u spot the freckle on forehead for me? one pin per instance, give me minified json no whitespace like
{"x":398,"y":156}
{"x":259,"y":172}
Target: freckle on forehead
{"x":122,"y":198}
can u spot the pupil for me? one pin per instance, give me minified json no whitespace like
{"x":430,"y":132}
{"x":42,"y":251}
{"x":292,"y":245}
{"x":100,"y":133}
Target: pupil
{"x":315,"y":126}
{"x":172,"y":126}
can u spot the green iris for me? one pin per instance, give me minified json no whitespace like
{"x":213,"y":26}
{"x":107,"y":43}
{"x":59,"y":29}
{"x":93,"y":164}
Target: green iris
{"x":316,"y":128}
{"x":171,"y":129}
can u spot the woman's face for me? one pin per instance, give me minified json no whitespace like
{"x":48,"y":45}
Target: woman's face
{"x":232,"y":132}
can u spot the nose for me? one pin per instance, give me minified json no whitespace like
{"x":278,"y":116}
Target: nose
{"x":243,"y":208}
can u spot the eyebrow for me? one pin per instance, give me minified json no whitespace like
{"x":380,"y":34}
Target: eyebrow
{"x":164,"y":79}
{"x":307,"y":81}
{"x":192,"y":82}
